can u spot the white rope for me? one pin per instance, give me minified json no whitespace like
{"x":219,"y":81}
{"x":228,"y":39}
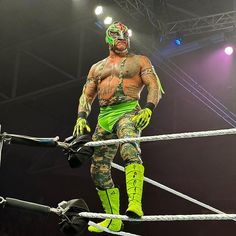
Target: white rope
{"x":220,"y":216}
{"x":164,"y":137}
{"x":109,"y":231}
{"x":2,"y":200}
{"x":161,"y":217}
{"x":179,"y":194}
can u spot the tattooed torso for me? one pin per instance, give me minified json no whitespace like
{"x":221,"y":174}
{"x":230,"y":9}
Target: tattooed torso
{"x":120,"y":79}
{"x":115,"y":75}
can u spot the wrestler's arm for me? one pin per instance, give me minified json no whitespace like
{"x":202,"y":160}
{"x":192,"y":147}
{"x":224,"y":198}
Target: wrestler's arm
{"x":88,"y":95}
{"x":151,"y":81}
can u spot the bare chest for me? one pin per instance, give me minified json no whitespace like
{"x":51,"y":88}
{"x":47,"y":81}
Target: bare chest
{"x":125,"y":68}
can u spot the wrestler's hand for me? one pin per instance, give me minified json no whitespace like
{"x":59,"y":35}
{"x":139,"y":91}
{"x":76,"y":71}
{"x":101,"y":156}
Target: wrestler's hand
{"x":142,"y":119}
{"x":80,"y":126}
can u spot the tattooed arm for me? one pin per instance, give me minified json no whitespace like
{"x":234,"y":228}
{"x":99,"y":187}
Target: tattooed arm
{"x":151,"y":81}
{"x":89,"y":93}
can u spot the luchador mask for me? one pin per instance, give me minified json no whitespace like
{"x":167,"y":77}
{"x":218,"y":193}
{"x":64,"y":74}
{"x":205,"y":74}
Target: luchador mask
{"x":117,"y":31}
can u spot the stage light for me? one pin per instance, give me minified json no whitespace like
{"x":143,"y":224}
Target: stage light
{"x":178,"y":41}
{"x":108,"y":20}
{"x":130,"y":32}
{"x":98,"y":10}
{"x":229,"y":50}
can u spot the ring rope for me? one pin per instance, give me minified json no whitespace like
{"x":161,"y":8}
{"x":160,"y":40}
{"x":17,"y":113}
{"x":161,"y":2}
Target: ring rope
{"x":179,"y":194}
{"x":161,"y":217}
{"x":109,"y":231}
{"x":220,"y":216}
{"x":149,"y":218}
{"x":164,"y":137}
{"x":2,"y":200}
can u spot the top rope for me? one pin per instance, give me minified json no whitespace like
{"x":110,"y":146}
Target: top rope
{"x":165,"y":137}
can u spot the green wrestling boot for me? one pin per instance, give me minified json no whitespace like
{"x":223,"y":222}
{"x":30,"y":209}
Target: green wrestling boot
{"x":110,"y":199}
{"x":134,"y":174}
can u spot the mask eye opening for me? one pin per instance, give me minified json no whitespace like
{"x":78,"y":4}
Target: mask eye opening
{"x":113,"y":33}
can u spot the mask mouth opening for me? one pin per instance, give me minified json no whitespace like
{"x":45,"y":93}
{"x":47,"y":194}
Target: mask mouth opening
{"x":121,"y":52}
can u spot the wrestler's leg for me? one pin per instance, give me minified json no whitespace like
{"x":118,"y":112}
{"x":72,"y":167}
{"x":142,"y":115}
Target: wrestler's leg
{"x":101,"y":174}
{"x":134,"y":170}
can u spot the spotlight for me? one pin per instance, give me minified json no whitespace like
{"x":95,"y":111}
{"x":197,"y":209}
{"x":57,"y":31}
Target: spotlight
{"x":108,"y":20}
{"x":98,"y":10}
{"x":178,"y":41}
{"x":229,"y":50}
{"x":130,"y":32}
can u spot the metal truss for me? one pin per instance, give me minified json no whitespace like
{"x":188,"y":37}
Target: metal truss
{"x":136,"y":8}
{"x":210,"y":23}
{"x":194,"y":25}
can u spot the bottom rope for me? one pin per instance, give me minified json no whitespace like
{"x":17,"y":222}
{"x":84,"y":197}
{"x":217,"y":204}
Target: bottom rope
{"x":161,"y":217}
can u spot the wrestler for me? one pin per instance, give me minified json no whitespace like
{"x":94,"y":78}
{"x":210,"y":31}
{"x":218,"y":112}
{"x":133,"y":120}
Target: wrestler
{"x":118,"y":81}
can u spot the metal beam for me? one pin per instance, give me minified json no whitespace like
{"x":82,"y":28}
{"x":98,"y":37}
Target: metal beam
{"x":137,"y":7}
{"x":43,"y":61}
{"x":16,"y":72}
{"x":196,"y":25}
{"x":4,"y":96}
{"x":210,"y":23}
{"x":180,"y":9}
{"x":82,"y":37}
{"x":41,"y":92}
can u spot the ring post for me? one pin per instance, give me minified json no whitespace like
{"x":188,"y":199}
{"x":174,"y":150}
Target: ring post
{"x":27,"y":205}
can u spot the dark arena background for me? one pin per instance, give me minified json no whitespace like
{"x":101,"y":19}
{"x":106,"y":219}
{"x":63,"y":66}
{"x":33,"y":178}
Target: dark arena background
{"x":46,"y":50}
